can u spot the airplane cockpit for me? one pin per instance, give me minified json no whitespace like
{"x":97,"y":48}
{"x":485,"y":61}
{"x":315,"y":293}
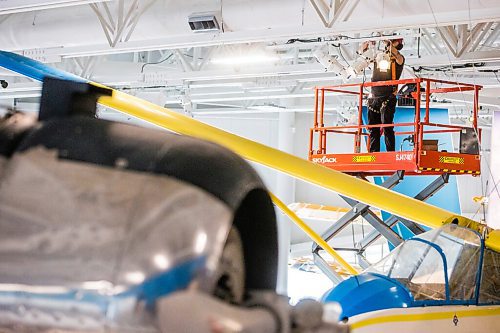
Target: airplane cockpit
{"x":440,"y":265}
{"x":445,"y":266}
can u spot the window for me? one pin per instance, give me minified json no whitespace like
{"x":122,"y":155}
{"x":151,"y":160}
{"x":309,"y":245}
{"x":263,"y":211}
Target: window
{"x":489,"y":292}
{"x":420,"y":266}
{"x":462,"y":249}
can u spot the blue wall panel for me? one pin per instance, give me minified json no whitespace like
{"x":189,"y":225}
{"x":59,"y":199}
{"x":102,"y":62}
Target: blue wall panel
{"x":447,"y":197}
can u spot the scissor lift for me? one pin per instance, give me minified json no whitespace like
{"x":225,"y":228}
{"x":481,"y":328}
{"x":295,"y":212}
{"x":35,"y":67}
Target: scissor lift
{"x":421,"y":160}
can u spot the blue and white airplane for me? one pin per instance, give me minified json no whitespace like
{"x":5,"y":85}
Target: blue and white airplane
{"x":444,"y":280}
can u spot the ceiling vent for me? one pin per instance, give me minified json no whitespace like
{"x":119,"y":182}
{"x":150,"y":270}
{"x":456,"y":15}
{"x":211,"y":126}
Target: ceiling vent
{"x":203,"y":22}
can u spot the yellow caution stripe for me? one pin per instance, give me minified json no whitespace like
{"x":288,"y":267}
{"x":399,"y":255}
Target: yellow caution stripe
{"x":364,"y":159}
{"x":470,"y":172}
{"x":425,"y":317}
{"x":451,"y":160}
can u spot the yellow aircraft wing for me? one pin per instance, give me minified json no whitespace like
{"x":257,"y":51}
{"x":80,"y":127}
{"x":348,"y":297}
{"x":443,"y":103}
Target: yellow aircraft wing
{"x":360,"y":190}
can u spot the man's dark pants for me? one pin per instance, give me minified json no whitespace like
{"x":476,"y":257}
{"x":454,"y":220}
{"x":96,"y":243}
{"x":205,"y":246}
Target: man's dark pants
{"x":386,"y":107}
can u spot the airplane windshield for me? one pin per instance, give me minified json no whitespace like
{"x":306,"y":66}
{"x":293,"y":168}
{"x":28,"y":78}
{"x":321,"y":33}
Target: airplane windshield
{"x":419,"y":264}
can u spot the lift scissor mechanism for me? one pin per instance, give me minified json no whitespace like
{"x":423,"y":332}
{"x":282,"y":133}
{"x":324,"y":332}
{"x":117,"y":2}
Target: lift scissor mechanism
{"x":382,"y":228}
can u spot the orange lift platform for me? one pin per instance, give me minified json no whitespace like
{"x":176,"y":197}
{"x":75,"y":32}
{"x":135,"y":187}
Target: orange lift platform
{"x":423,"y":159}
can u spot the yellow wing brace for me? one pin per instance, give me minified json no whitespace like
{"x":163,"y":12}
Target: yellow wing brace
{"x":360,"y":190}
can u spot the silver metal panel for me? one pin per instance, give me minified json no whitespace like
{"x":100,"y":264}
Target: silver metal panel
{"x":77,"y":240}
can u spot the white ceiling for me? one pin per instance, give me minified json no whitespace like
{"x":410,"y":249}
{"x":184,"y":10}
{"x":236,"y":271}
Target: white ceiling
{"x":112,"y":42}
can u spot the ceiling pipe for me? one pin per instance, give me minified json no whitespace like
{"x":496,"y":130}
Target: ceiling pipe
{"x":70,"y":33}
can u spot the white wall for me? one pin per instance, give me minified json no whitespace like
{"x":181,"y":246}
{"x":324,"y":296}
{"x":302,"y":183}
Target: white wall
{"x":470,"y":186}
{"x":306,"y":192}
{"x":493,"y":218}
{"x":262,"y":128}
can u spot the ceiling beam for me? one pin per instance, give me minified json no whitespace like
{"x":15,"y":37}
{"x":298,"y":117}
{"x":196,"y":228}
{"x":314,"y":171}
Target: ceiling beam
{"x":323,"y":10}
{"x":484,"y":32}
{"x":342,"y":11}
{"x":468,"y":37}
{"x":492,"y":38}
{"x":449,"y":38}
{"x":444,"y":60}
{"x":425,"y":20}
{"x":350,"y":27}
{"x":120,"y":27}
{"x":35,"y":5}
{"x":427,"y":46}
{"x":431,"y":39}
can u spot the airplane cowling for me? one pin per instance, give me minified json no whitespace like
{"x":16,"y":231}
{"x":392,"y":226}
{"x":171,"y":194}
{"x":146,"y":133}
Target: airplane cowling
{"x":368,"y":292}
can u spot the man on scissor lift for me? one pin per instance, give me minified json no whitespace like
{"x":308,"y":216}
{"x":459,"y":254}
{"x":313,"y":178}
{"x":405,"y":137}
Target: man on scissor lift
{"x":382,"y":102}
